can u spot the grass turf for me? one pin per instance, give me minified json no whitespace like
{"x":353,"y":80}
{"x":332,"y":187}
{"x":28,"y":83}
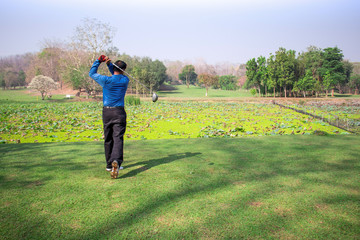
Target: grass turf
{"x":283,"y":187}
{"x":198,"y":92}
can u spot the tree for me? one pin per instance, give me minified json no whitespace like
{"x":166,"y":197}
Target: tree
{"x":228,"y":82}
{"x":272,"y":72}
{"x":208,"y":80}
{"x":94,"y":36}
{"x":262,"y":74}
{"x":348,"y":69}
{"x":173,"y":69}
{"x":43,"y":84}
{"x":90,"y":39}
{"x":252,"y":74}
{"x":158,"y":74}
{"x":306,"y":83}
{"x":332,"y":69}
{"x":12,"y":71}
{"x":355,"y":83}
{"x":188,"y":75}
{"x":286,"y":68}
{"x":2,"y":80}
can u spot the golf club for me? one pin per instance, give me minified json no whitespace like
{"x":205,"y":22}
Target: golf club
{"x":154,"y":95}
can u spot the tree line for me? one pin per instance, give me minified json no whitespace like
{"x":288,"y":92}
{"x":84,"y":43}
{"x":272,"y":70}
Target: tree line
{"x":208,"y":79}
{"x":311,"y":73}
{"x":69,"y":63}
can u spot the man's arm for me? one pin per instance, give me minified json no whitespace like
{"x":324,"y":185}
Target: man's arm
{"x":111,"y":67}
{"x":100,"y":79}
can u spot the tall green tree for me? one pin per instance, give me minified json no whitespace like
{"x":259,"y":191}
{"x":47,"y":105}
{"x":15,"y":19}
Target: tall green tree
{"x":348,"y":69}
{"x":188,"y":75}
{"x":272,"y":73}
{"x":355,"y":83}
{"x":312,"y":59}
{"x":262,"y":74}
{"x":332,"y":69}
{"x":252,"y":75}
{"x":286,"y":68}
{"x":307,"y":83}
{"x":228,"y":82}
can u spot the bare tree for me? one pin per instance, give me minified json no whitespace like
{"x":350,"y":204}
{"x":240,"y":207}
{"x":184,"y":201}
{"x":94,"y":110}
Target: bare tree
{"x":173,"y":68}
{"x":12,"y":70}
{"x":93,"y":36}
{"x":90,"y":40}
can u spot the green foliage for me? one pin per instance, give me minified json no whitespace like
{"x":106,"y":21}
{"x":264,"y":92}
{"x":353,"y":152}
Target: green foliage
{"x":2,"y":80}
{"x":253,"y":91}
{"x":286,"y":71}
{"x":69,"y":122}
{"x":228,"y":82}
{"x":151,"y":73}
{"x":188,"y":75}
{"x":307,"y":83}
{"x":131,"y":100}
{"x":332,"y":69}
{"x":355,"y":82}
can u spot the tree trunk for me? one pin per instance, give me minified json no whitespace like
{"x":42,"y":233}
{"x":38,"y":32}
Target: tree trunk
{"x":327,"y":92}
{"x":340,"y":89}
{"x":274,"y":93}
{"x":206,"y":92}
{"x":304,"y":94}
{"x":332,"y":92}
{"x":356,"y":91}
{"x":285,"y":92}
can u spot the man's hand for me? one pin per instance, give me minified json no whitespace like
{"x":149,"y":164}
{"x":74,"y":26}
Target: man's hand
{"x":103,"y":58}
{"x":107,"y":61}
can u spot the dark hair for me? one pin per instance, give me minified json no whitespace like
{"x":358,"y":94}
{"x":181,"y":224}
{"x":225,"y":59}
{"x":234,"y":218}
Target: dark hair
{"x":120,"y":64}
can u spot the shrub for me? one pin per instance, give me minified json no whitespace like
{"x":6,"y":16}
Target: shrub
{"x":132,"y":101}
{"x":253,"y":91}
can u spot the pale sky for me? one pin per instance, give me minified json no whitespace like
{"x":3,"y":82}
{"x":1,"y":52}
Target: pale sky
{"x":215,"y":31}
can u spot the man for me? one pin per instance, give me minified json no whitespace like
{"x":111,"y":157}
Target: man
{"x":114,"y":115}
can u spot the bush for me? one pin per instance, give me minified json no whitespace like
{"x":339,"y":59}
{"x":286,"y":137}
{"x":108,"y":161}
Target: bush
{"x":253,"y":91}
{"x":132,"y":101}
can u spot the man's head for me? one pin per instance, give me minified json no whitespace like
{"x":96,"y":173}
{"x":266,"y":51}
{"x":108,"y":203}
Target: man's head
{"x":121,"y":65}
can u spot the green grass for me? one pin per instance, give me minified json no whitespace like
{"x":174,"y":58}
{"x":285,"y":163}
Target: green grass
{"x":21,"y":96}
{"x":198,"y":92}
{"x":17,"y":96}
{"x":283,"y":187}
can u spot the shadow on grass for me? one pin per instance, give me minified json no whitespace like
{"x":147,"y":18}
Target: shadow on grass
{"x":255,"y":163}
{"x":155,"y":162}
{"x":46,"y":159}
{"x":169,"y":92}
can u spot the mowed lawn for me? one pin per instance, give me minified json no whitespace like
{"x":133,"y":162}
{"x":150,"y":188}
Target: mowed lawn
{"x":275,"y":187}
{"x":182,"y":91}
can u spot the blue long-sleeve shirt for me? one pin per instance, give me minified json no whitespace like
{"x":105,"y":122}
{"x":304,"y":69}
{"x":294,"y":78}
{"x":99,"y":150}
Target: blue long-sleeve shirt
{"x":114,"y":87}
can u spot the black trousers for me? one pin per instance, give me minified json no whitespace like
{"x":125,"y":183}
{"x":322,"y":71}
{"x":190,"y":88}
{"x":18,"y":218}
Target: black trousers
{"x":114,"y":120}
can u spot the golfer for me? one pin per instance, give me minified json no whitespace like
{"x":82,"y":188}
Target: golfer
{"x":114,"y":115}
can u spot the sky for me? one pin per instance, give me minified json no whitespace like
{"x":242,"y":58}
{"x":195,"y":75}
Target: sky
{"x":214,"y":31}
